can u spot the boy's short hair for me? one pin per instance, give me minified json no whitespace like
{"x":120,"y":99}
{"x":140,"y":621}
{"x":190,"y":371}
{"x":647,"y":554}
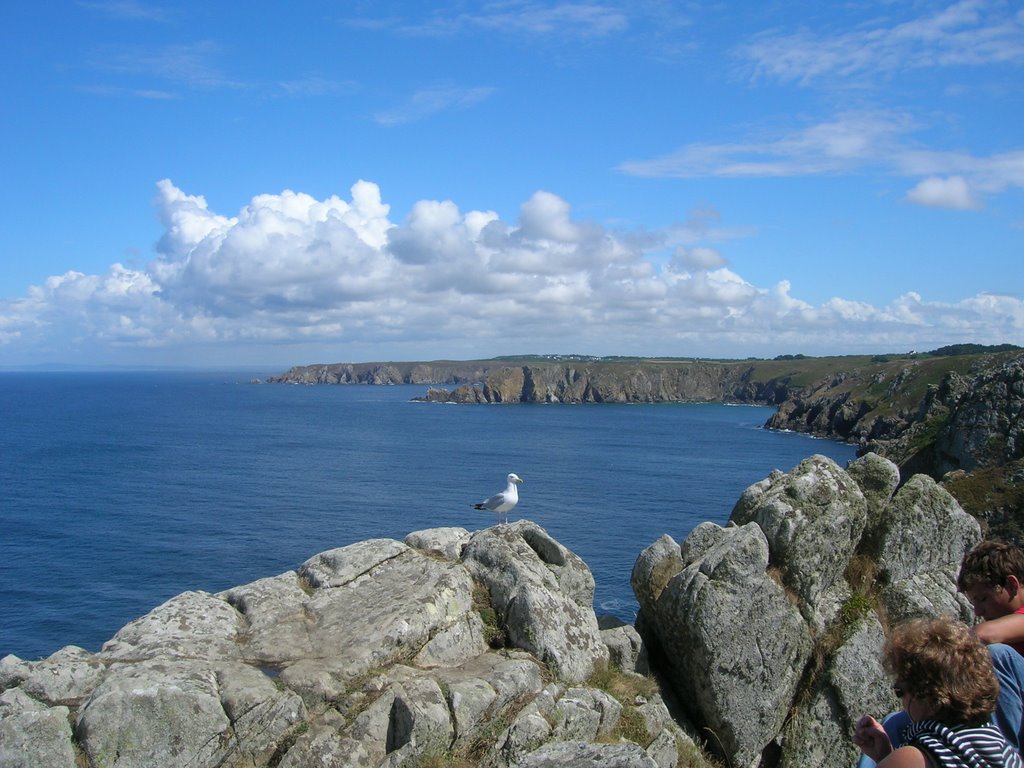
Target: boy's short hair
{"x":989,"y":564}
{"x":940,"y":662}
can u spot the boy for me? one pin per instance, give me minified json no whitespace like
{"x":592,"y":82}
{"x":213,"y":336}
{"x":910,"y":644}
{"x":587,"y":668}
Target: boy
{"x":991,"y":577}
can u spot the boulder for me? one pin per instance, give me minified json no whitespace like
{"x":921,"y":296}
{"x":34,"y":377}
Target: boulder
{"x":13,"y":671}
{"x":543,"y":594}
{"x":65,"y":677}
{"x":813,"y":519}
{"x":33,"y":735}
{"x":922,"y":539}
{"x":851,"y":684}
{"x":625,"y":647}
{"x":192,"y":625}
{"x":732,"y":640}
{"x":377,"y":608}
{"x":878,"y":478}
{"x":155,"y":712}
{"x":442,"y":542}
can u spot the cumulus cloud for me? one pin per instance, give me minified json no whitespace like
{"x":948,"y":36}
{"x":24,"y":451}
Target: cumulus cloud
{"x":936,"y":192}
{"x":697,"y":258}
{"x":289,"y":270}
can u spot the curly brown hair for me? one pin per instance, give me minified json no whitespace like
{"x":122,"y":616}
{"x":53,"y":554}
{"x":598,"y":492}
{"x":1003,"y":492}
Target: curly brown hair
{"x":989,"y":564}
{"x":941,"y":662}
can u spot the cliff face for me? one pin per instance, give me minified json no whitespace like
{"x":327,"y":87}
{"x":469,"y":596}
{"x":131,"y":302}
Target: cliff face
{"x":584,"y":382}
{"x":385,"y":373}
{"x":932,"y":415}
{"x":617,"y":383}
{"x":961,"y":422}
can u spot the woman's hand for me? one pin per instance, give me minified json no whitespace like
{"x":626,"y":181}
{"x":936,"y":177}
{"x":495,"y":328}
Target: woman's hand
{"x":871,"y":738}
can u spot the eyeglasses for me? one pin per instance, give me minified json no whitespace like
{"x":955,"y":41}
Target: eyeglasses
{"x":899,"y":691}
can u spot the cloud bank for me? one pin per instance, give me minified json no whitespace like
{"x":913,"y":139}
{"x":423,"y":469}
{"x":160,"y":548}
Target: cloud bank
{"x":290,"y":272}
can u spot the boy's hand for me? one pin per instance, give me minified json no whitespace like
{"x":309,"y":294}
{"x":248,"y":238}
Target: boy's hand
{"x":871,"y":738}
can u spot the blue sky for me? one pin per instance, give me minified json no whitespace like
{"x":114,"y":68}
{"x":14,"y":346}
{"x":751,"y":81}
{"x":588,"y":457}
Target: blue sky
{"x":268,"y":184}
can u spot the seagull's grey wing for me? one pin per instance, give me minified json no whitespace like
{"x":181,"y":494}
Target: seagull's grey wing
{"x":492,"y":503}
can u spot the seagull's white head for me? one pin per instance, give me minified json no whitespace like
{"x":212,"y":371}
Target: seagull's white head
{"x":514,"y":478}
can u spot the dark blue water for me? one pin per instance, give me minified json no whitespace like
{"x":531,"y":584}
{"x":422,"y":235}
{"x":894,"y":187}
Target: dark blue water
{"x":118,"y":491}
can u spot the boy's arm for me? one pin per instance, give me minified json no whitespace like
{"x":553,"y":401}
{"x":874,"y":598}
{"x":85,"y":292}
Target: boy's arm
{"x":1005,"y":629}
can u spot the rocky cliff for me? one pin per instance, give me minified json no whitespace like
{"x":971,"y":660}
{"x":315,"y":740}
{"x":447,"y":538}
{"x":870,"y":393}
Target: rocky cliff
{"x":615,"y":383}
{"x":959,"y":420}
{"x":453,"y":648}
{"x":499,"y":381}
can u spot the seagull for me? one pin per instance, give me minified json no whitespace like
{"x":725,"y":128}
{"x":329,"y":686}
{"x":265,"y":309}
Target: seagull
{"x":503,"y":502}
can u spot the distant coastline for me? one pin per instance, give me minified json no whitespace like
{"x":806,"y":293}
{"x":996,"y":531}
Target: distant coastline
{"x":913,"y":408}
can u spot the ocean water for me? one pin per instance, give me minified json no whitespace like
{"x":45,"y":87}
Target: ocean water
{"x":120,"y":490}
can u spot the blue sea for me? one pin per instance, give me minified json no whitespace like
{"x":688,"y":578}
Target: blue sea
{"x":120,"y":490}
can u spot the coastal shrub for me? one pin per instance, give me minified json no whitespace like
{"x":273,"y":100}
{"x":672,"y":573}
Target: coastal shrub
{"x":692,"y":756}
{"x":484,"y":739}
{"x":631,"y":727}
{"x":622,"y":686}
{"x":862,"y":574}
{"x":628,"y":689}
{"x":494,"y":634}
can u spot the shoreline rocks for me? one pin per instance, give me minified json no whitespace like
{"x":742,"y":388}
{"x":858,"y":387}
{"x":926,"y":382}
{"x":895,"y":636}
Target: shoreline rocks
{"x":381,"y":653}
{"x":757,"y":641}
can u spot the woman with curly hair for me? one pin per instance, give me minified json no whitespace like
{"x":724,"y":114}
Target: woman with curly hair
{"x":943,"y":676}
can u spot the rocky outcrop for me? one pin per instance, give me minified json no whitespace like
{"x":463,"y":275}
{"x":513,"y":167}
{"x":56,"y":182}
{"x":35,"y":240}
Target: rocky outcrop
{"x":447,"y":646}
{"x":458,"y":648}
{"x":769,"y":629}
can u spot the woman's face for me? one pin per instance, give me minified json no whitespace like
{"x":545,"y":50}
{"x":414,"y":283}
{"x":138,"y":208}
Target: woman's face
{"x":913,"y":706}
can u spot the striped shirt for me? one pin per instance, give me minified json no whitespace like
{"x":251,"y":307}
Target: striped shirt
{"x":964,"y":746}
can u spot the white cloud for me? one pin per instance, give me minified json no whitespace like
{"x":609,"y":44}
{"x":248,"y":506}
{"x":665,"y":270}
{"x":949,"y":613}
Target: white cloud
{"x":845,"y":143}
{"x":128,"y":9}
{"x":578,"y":19}
{"x":697,"y":258}
{"x":430,"y":101}
{"x":936,"y":192}
{"x":849,"y":143}
{"x":290,"y":270}
{"x":966,"y":33}
{"x":187,"y":65}
{"x":515,"y":17}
